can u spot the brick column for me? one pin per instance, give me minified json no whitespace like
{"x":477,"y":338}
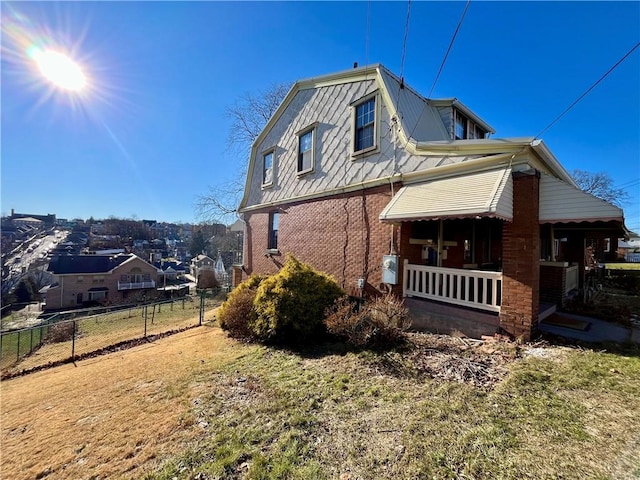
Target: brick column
{"x":521,"y":259}
{"x":236,"y":278}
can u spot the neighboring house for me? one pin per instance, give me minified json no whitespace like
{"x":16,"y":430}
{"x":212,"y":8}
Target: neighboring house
{"x":364,"y":178}
{"x":84,"y":279}
{"x":170,"y":270}
{"x":200,"y":263}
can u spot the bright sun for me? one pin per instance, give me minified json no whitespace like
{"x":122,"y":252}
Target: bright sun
{"x":60,"y":70}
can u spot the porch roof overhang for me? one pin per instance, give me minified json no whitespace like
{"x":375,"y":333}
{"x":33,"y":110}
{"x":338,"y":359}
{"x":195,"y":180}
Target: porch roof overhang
{"x":486,"y":193}
{"x":564,"y":203}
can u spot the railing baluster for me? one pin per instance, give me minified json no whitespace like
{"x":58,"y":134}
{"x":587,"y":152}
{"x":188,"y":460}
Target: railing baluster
{"x":473,"y":288}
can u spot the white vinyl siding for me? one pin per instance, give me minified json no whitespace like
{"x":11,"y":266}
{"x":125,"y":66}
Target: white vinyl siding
{"x":561,"y":202}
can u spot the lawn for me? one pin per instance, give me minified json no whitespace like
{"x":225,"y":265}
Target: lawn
{"x":199,"y":405}
{"x":95,"y":332}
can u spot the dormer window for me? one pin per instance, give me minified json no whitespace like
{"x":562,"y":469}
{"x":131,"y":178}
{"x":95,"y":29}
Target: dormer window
{"x":465,"y":129}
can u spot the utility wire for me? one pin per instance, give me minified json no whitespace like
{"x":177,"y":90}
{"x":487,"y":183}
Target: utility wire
{"x":366,"y":47}
{"x":588,"y":90}
{"x":453,"y":38}
{"x":404,"y":44}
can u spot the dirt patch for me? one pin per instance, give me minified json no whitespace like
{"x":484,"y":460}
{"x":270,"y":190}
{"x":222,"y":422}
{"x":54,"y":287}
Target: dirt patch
{"x":117,"y":415}
{"x":481,"y":363}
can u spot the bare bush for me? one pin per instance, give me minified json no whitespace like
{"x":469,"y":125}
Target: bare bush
{"x":60,"y":332}
{"x":382,"y":322}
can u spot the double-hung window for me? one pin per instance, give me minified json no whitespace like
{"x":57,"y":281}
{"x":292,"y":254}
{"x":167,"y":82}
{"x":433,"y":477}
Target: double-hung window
{"x":365,"y":125}
{"x":272,"y":243}
{"x":306,"y":141}
{"x":267,"y":168}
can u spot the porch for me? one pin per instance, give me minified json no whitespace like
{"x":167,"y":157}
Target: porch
{"x":450,"y":300}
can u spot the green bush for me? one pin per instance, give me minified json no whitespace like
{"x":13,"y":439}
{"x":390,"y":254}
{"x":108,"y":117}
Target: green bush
{"x":237,"y":314}
{"x":290,"y":305}
{"x":381,"y":322}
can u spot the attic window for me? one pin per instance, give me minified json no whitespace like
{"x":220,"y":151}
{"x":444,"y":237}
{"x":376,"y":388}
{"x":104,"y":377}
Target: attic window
{"x":267,"y":168}
{"x":306,"y":148}
{"x":364,"y":128}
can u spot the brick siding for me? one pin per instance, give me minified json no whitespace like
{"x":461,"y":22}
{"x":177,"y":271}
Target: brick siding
{"x":340,"y":235}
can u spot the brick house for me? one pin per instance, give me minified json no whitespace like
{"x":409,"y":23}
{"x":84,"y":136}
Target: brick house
{"x":364,"y":178}
{"x":81,"y":280}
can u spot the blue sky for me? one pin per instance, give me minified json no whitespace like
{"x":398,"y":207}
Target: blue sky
{"x":150,"y":133}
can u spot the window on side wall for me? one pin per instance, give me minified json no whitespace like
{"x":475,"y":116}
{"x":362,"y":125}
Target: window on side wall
{"x":306,"y":148}
{"x":267,"y":168}
{"x":365,"y":125}
{"x":272,"y":243}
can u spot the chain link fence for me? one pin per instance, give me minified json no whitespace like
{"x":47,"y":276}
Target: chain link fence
{"x":69,"y":336}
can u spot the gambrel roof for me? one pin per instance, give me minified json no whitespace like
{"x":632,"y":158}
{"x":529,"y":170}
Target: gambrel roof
{"x":422,"y":136}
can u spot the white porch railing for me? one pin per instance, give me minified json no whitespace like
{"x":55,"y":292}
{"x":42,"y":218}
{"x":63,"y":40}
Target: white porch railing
{"x":470,"y":288}
{"x":571,"y":282}
{"x":135,"y":285}
{"x":632,"y":257}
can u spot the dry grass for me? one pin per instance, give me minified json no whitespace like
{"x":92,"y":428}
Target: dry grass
{"x":199,"y":405}
{"x":106,"y":417}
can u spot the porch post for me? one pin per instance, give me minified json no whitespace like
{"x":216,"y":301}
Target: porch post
{"x":521,"y":259}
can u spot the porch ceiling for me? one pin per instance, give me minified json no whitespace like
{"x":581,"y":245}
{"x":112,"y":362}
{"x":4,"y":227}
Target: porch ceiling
{"x":485,"y":194}
{"x":564,"y":203}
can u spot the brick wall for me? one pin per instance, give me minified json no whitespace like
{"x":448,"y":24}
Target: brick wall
{"x":65,"y":295}
{"x":340,"y":235}
{"x":521,"y":258}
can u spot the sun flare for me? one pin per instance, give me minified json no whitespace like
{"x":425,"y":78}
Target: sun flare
{"x":60,"y":70}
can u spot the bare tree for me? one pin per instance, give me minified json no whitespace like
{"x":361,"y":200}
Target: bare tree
{"x":600,"y":185}
{"x":248,"y":115}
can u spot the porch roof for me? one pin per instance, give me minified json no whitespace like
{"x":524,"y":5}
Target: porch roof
{"x":564,"y":203}
{"x":485,"y":194}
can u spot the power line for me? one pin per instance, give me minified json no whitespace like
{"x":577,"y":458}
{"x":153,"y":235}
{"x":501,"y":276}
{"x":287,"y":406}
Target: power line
{"x":404,"y":43}
{"x":453,"y":38}
{"x":366,"y":47}
{"x":629,"y":184}
{"x":588,"y":90}
{"x":424,"y":107}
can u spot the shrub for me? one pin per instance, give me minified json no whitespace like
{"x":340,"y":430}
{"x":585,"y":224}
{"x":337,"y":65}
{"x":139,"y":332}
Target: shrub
{"x":60,"y":332}
{"x":382,"y":322}
{"x":207,"y":279}
{"x":290,"y":305}
{"x":237,"y":314}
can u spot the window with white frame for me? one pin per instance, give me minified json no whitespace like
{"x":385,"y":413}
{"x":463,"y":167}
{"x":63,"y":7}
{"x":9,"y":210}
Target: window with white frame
{"x":267,"y":168}
{"x":272,"y":243}
{"x":364,"y":128}
{"x":98,"y":295}
{"x":306,"y":141}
